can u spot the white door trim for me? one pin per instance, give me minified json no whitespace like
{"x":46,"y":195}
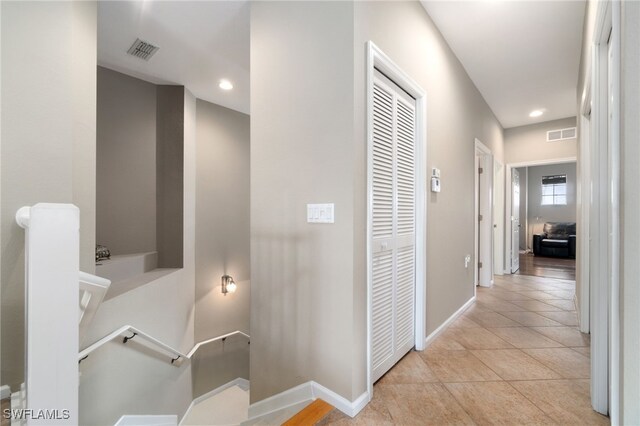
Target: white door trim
{"x":583,"y":280}
{"x":483,"y":153}
{"x":498,"y":216}
{"x":377,"y":59}
{"x":605,"y":225}
{"x":605,"y":214}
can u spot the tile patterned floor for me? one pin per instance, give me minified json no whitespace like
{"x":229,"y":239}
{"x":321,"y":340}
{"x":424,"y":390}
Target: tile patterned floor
{"x":514,"y":357}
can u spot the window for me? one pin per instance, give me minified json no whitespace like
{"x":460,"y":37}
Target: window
{"x":554,"y":190}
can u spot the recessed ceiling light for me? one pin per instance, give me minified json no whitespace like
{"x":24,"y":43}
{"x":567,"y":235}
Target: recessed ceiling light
{"x":225,"y":84}
{"x":536,"y":113}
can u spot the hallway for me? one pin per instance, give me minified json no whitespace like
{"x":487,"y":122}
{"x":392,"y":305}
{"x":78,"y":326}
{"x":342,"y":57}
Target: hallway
{"x":514,"y":357}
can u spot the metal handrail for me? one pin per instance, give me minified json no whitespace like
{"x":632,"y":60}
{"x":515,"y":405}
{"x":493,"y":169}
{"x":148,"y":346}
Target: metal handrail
{"x":138,"y":333}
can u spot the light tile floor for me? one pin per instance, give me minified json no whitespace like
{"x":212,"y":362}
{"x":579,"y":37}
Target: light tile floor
{"x":514,"y":357}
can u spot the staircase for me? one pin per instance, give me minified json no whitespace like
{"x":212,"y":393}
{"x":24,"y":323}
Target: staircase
{"x":127,"y":358}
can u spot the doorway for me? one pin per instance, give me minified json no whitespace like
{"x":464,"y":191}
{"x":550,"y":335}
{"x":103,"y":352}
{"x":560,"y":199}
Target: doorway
{"x":484,"y":225}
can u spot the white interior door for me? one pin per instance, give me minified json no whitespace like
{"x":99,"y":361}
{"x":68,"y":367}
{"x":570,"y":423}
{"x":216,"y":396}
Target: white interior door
{"x":393,"y":227}
{"x":515,"y":220}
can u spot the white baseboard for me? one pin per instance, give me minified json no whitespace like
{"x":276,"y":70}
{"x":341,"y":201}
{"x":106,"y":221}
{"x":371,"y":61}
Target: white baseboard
{"x":448,"y":322}
{"x":162,"y":420}
{"x":240,"y":382}
{"x":5,"y":392}
{"x":350,"y":408}
{"x":307,"y":392}
{"x":286,"y":399}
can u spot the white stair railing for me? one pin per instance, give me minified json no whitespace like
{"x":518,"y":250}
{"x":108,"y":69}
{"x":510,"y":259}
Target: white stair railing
{"x":51,"y":283}
{"x":92,"y":292}
{"x":130,"y":332}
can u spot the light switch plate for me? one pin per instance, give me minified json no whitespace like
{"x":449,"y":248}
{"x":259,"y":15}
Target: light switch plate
{"x":320,"y":213}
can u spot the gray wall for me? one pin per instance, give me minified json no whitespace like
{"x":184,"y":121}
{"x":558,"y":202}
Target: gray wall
{"x":529,"y":143}
{"x":48,"y":140}
{"x":126,"y":163}
{"x":170,"y":175}
{"x":222,"y":219}
{"x":539,"y":214}
{"x":308,"y":307}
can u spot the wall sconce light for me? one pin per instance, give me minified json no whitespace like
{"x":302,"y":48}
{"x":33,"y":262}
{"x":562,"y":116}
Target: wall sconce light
{"x":228,"y":285}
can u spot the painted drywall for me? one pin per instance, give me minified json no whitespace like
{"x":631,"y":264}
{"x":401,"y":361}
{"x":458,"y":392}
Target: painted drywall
{"x":48,"y":140}
{"x":302,"y":144}
{"x":308,"y":145}
{"x":630,"y":205}
{"x":526,"y":144}
{"x":539,"y":214}
{"x":456,"y":115}
{"x":523,"y":207}
{"x":169,"y":175}
{"x":122,"y":379}
{"x":134,"y":379}
{"x":222,"y":220}
{"x":126,"y":163}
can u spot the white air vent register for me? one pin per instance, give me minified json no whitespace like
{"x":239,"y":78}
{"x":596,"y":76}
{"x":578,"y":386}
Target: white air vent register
{"x":142,"y":49}
{"x":561,"y":134}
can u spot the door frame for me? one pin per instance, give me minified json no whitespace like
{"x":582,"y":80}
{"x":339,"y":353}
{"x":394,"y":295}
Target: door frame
{"x":498,"y":216}
{"x":583,"y":203}
{"x":483,"y":158}
{"x":605,"y":214}
{"x":508,"y":223}
{"x":377,"y":59}
{"x":509,"y":265}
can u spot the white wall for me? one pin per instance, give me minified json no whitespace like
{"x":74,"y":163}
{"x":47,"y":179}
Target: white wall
{"x":539,"y":214}
{"x":222,"y":220}
{"x":48,"y":139}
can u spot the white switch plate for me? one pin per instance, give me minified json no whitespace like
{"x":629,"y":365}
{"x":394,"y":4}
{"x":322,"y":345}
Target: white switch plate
{"x":320,"y":213}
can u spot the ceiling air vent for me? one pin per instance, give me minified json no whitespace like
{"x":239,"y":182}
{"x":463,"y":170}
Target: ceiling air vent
{"x":142,"y":49}
{"x":561,"y":134}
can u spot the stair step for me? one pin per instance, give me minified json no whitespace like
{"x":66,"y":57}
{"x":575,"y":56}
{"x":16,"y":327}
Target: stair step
{"x":311,"y":414}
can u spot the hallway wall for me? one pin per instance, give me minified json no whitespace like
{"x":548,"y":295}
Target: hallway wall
{"x":529,"y":143}
{"x":302,"y":151}
{"x":308,"y":145}
{"x":222,"y":220}
{"x":48,"y":135}
{"x":456,"y":115}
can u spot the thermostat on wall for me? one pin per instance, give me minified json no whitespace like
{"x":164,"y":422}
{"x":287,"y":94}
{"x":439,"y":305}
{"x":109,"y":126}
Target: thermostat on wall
{"x":435,"y":184}
{"x":435,"y":180}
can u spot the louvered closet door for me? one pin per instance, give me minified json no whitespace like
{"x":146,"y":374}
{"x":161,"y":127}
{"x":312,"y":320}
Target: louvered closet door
{"x":393,"y":227}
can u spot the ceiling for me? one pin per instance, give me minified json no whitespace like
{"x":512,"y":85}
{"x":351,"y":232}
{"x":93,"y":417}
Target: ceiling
{"x":200,"y":44}
{"x":521,"y":55}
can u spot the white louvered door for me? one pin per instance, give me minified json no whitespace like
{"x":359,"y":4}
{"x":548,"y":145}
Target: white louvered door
{"x":393,"y":225}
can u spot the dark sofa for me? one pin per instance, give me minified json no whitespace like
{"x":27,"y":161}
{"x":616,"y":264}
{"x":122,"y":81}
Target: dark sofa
{"x":558,"y":239}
